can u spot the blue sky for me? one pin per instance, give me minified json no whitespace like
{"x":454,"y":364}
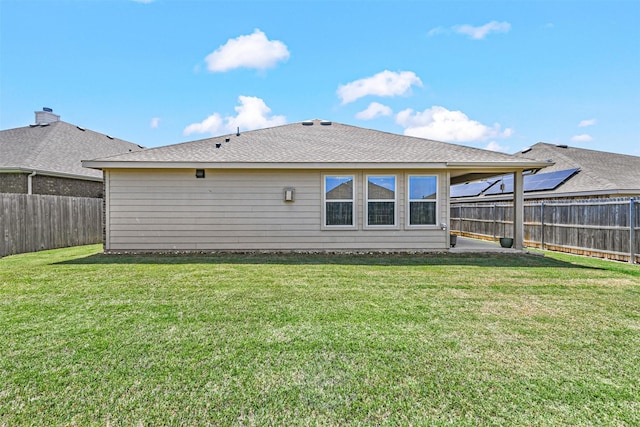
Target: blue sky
{"x":488,"y":74}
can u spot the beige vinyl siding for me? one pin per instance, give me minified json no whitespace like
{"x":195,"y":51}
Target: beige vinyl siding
{"x":170,"y":209}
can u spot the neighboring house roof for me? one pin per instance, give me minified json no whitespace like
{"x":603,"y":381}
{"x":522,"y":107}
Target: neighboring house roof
{"x":57,"y":149}
{"x":599,"y":172}
{"x":314,"y":144}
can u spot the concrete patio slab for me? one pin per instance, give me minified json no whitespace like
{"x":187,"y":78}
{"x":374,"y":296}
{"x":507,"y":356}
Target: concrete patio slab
{"x":469,"y":245}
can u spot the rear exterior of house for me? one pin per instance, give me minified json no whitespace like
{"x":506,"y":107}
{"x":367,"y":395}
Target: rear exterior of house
{"x":312,"y":185}
{"x":169,"y":209}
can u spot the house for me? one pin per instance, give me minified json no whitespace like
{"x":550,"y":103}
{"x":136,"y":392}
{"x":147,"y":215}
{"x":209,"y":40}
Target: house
{"x":312,"y":185}
{"x":576,"y":173}
{"x":45,"y":157}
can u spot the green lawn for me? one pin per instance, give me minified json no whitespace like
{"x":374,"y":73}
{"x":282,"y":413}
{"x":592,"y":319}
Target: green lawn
{"x":89,"y":339}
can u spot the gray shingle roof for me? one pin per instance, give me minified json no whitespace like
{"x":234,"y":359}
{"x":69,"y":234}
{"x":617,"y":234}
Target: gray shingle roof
{"x":599,"y":171}
{"x":304,"y":142}
{"x":57,"y":148}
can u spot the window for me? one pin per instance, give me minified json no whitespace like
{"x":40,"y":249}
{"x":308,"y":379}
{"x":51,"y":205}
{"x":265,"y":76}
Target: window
{"x":338,"y":201}
{"x":423,"y":192}
{"x":381,"y":200}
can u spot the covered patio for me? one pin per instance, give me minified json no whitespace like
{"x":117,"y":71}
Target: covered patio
{"x":464,"y":173}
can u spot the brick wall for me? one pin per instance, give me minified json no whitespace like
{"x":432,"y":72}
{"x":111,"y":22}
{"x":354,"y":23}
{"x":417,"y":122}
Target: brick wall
{"x":55,"y":186}
{"x":13,"y":183}
{"x":66,"y":187}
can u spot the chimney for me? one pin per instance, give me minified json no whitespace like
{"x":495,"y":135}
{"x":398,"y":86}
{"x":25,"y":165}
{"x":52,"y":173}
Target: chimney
{"x":46,"y":116}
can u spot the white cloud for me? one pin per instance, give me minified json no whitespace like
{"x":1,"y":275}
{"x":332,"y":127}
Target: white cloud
{"x":375,"y":109}
{"x":155,"y":122}
{"x":479,"y":33}
{"x":585,"y":123}
{"x":385,"y":83}
{"x":253,"y":113}
{"x":252,"y":51}
{"x":437,"y":31}
{"x":582,"y":138}
{"x":212,"y":124}
{"x":494,"y":146}
{"x":444,"y":125}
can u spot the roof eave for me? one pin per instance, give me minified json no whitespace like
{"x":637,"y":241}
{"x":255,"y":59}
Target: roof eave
{"x":494,"y":166}
{"x":527,"y":165}
{"x":258,"y":165}
{"x":51,"y":173}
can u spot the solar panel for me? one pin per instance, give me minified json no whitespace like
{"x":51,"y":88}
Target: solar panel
{"x":534,"y":182}
{"x":470,"y":189}
{"x":547,"y":181}
{"x":503,"y":185}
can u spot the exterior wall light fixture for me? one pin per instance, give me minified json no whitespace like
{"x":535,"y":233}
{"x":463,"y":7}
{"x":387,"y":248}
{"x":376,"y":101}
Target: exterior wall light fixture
{"x":289,"y":194}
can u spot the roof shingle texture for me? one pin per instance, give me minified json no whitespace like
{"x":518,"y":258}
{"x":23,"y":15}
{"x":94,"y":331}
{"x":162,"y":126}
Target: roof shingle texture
{"x":58,"y":148}
{"x":599,"y":170}
{"x":316,"y":143}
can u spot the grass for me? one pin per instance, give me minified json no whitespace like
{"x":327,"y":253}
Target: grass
{"x":90,"y":339}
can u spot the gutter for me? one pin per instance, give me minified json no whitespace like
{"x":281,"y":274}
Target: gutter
{"x":526,"y":165}
{"x":257,"y":165}
{"x":49,"y":173}
{"x":149,"y":164}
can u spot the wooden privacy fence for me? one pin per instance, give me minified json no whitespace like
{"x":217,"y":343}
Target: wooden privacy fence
{"x":606,"y":228}
{"x":30,"y":223}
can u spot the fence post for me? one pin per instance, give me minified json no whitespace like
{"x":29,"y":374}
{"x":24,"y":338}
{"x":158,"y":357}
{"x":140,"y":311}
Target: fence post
{"x":542,"y":225}
{"x":493,"y":215}
{"x":632,"y":231}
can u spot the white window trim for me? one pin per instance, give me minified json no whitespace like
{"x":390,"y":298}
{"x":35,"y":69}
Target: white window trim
{"x":409,"y":200}
{"x":367,"y":200}
{"x":354,"y":215}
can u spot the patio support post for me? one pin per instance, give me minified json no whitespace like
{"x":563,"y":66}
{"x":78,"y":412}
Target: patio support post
{"x":518,"y":210}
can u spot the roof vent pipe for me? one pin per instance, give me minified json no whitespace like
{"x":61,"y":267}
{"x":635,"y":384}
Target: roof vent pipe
{"x":238,"y":131}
